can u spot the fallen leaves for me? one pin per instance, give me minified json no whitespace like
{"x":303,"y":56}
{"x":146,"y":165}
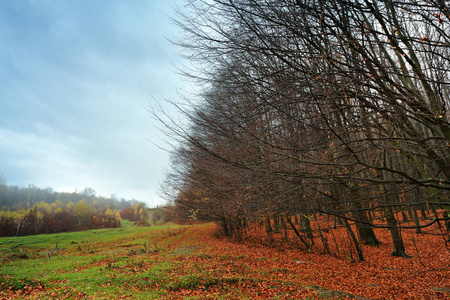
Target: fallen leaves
{"x":267,"y":272}
{"x":194,"y":262}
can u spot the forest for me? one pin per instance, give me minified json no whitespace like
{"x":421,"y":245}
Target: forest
{"x":316,"y":124}
{"x":32,"y":210}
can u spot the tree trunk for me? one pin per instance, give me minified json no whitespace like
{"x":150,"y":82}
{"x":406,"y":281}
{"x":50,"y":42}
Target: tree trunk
{"x":326,"y":248}
{"x":365,"y":231}
{"x":302,"y":239}
{"x":416,"y":219}
{"x":399,"y":248}
{"x":390,"y":201}
{"x":268,"y":225}
{"x":355,"y":240}
{"x":226,"y":228}
{"x":276,"y":224}
{"x":306,"y":227}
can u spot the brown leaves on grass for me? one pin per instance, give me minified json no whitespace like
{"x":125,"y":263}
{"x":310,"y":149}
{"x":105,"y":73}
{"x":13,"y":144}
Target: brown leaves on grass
{"x":194,"y":262}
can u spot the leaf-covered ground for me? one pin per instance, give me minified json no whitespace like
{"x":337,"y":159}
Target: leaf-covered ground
{"x":191,"y":262}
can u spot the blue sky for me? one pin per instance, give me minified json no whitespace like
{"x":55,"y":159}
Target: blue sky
{"x":76,"y":78}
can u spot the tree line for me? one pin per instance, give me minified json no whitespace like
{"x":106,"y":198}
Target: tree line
{"x":32,"y":210}
{"x":15,"y":197}
{"x":313,"y":115}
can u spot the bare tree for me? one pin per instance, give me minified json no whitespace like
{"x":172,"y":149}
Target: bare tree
{"x":306,"y":107}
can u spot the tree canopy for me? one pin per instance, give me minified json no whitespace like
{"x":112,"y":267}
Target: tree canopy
{"x":315,"y":108}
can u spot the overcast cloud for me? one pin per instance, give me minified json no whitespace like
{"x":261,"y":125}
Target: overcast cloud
{"x":76,"y":77}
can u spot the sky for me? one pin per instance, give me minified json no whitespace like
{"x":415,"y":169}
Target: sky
{"x":76,"y":81}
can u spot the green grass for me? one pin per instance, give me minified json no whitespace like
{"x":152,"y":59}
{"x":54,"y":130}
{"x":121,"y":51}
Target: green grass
{"x":106,"y":263}
{"x":126,"y":223}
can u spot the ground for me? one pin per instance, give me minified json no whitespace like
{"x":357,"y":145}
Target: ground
{"x":193,"y":262}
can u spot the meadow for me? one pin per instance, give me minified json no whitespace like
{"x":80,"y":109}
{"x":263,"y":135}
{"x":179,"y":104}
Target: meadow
{"x":193,"y":262}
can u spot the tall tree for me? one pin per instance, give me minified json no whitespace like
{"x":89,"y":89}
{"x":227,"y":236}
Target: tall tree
{"x":315,"y":106}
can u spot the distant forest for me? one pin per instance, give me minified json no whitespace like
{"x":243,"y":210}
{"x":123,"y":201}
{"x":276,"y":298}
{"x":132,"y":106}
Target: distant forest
{"x":33,"y":210}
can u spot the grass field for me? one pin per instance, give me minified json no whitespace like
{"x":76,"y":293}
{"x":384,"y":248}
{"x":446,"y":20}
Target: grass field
{"x":190,"y":262}
{"x":107,"y":263}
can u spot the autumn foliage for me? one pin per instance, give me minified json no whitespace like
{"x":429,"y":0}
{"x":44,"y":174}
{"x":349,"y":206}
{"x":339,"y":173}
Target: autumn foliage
{"x":32,"y":210}
{"x":56,"y":217}
{"x":136,"y":213}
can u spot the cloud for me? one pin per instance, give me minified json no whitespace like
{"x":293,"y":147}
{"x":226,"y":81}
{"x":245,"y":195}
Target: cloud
{"x":78,"y":76}
{"x":36,"y":155}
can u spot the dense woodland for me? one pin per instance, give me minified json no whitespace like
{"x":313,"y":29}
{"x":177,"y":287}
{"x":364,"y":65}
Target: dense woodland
{"x":32,"y":210}
{"x":312,"y":117}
